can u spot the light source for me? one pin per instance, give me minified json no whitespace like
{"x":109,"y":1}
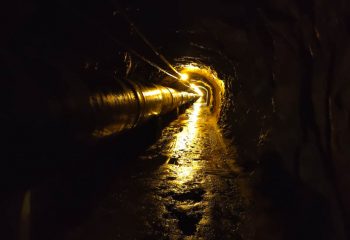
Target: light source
{"x":184,"y":76}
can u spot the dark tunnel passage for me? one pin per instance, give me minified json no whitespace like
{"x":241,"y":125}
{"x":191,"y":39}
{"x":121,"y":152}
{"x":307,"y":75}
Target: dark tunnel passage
{"x":175,"y":120}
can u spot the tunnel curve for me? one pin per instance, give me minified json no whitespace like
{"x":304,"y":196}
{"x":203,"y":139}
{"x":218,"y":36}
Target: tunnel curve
{"x":207,"y":77}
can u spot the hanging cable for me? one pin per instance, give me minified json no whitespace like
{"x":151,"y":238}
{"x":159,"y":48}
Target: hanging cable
{"x":148,"y":43}
{"x":100,"y":28}
{"x":152,"y":64}
{"x":143,"y":58}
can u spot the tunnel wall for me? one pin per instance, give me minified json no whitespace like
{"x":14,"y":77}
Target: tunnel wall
{"x":289,"y":95}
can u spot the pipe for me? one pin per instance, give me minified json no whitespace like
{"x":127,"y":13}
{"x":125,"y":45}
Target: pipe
{"x":83,"y":111}
{"x":132,"y":104}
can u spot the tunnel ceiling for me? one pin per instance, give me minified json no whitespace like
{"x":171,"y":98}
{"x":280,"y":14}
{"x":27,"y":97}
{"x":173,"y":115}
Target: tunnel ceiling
{"x":192,"y":31}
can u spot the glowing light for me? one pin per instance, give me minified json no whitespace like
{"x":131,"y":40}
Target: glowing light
{"x":209,"y":76}
{"x":197,"y":90}
{"x":184,"y":76}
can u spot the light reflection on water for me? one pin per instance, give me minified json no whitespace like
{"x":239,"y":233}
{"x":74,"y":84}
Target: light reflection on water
{"x":186,"y":169}
{"x":189,"y":133}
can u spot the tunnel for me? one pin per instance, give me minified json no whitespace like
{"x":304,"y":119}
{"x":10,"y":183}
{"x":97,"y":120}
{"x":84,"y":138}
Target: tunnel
{"x":168,"y":120}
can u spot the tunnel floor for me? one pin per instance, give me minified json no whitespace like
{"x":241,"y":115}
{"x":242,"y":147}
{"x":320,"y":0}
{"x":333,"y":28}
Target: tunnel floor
{"x":185,"y":186}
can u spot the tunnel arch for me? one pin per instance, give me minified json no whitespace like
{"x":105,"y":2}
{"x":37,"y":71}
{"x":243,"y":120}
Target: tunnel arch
{"x":207,"y":95}
{"x":207,"y":89}
{"x":207,"y":77}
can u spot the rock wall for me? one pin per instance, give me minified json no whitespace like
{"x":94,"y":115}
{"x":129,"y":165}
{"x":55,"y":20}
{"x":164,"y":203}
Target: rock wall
{"x":286,"y":107}
{"x":289,"y":97}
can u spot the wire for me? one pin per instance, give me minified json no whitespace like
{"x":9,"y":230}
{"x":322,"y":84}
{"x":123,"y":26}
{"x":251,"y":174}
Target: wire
{"x":148,"y":43}
{"x":143,"y":58}
{"x":99,"y":27}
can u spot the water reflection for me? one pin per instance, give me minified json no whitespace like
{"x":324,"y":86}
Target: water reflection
{"x":186,"y":137}
{"x":184,"y":149}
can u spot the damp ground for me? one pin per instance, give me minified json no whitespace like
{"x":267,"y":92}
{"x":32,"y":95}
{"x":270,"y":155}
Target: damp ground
{"x":185,"y":186}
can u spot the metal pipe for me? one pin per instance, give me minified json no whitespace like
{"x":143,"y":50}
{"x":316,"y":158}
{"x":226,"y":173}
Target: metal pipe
{"x":85,"y":111}
{"x":132,"y":104}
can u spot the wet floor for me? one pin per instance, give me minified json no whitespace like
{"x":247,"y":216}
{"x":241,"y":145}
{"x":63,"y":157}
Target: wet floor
{"x":185,"y":186}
